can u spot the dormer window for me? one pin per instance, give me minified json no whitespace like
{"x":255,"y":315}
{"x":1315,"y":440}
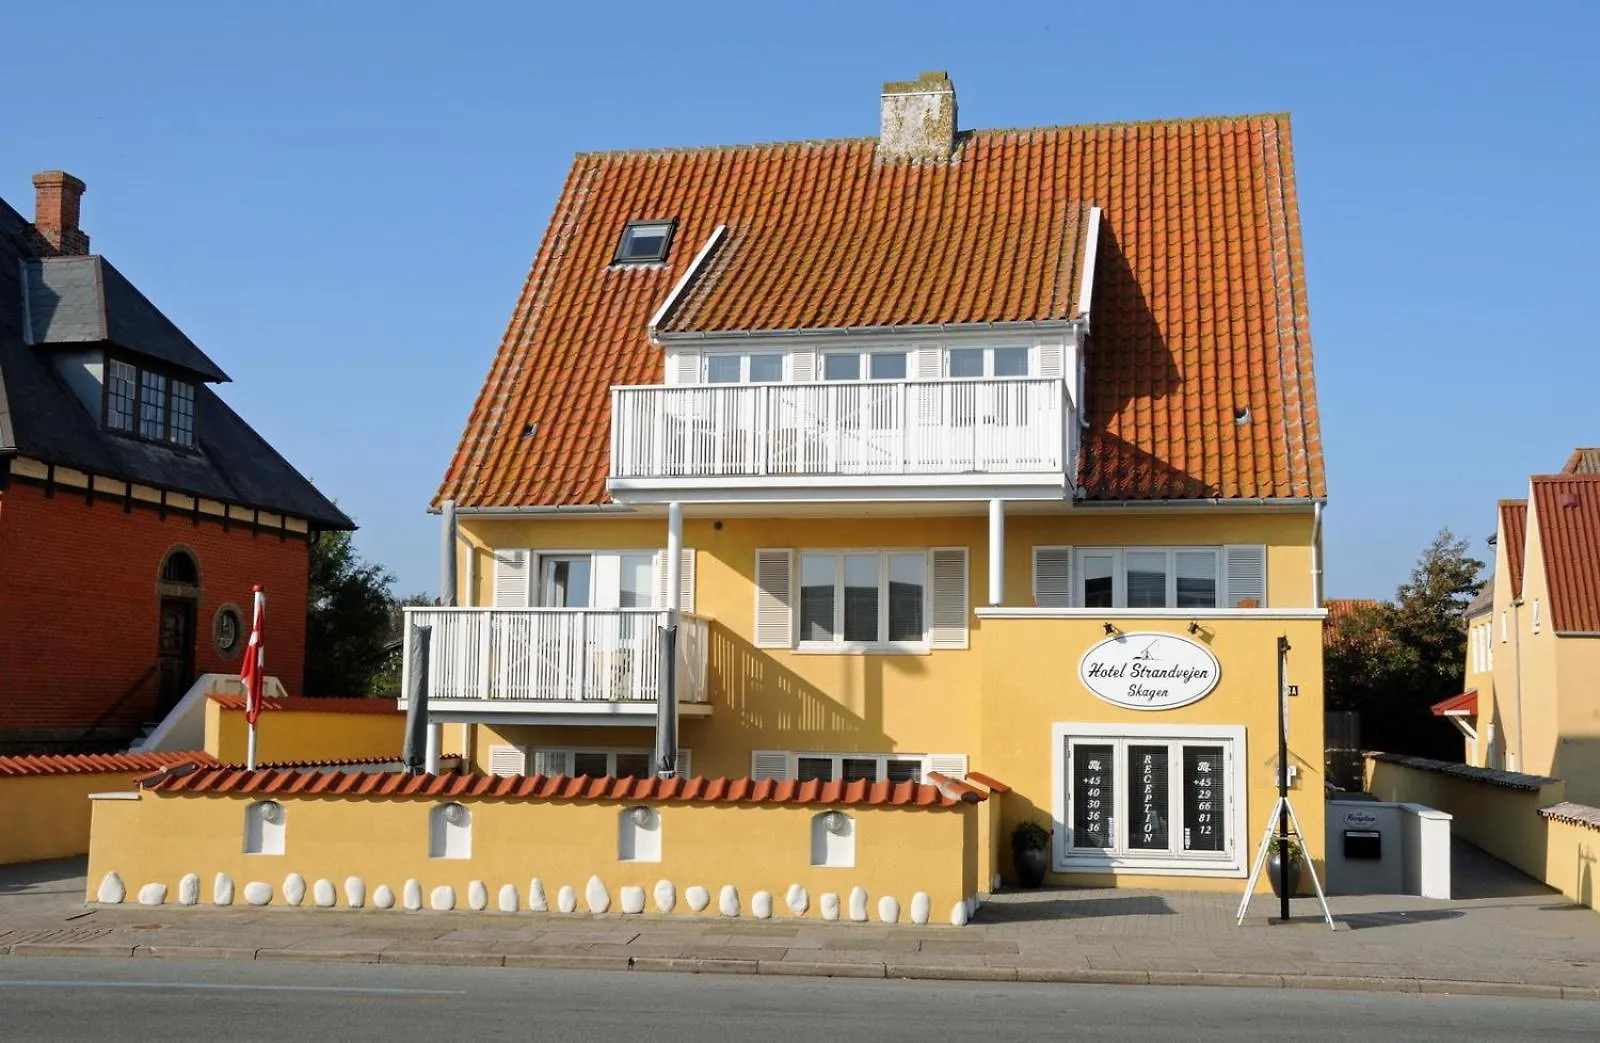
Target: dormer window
{"x":149,"y":403}
{"x":644,"y":242}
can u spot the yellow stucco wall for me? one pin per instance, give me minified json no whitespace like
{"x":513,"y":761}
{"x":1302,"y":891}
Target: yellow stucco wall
{"x":1572,"y":858}
{"x":1577,"y":690}
{"x":1502,"y":714}
{"x":299,"y":735}
{"x":1481,"y":681}
{"x":899,"y":851}
{"x":1541,"y":721}
{"x":47,"y":816}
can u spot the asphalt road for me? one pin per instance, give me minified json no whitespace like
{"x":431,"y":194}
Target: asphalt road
{"x":109,"y":1001}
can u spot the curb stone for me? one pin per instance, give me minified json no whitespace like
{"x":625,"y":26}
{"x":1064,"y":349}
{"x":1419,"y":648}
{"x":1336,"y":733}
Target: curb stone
{"x":316,"y":956}
{"x":812,"y":969}
{"x":195,"y":952}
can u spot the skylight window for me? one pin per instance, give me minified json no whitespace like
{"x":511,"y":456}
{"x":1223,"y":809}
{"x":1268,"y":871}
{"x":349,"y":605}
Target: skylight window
{"x":644,"y":242}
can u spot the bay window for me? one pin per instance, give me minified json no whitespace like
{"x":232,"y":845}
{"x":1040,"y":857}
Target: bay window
{"x":863,"y":598}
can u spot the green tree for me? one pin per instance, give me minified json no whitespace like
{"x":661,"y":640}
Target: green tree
{"x":1392,"y":660}
{"x":347,"y":618}
{"x":387,"y":678}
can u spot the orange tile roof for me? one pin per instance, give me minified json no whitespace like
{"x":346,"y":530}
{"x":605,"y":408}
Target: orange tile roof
{"x":96,"y":763}
{"x":1199,"y":307}
{"x":1465,"y":703}
{"x":1514,"y":522}
{"x":1568,"y":510}
{"x":1347,"y":608}
{"x":1583,"y":461}
{"x":312,"y":704}
{"x":562,"y":787}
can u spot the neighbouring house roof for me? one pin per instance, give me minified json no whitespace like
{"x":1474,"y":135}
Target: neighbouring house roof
{"x":1568,"y":509}
{"x":42,"y":419}
{"x":1583,"y":461}
{"x":1199,"y":377}
{"x":1514,"y":522}
{"x":1347,"y":608}
{"x":1492,"y":776}
{"x":561,"y":787}
{"x":1463,"y":705}
{"x":1483,"y":601}
{"x":312,"y":704}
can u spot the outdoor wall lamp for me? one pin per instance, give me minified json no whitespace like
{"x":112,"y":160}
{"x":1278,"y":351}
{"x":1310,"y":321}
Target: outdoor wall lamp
{"x":834,"y":822}
{"x":642,"y":817}
{"x":455,"y":814}
{"x":1194,"y":626}
{"x":1111,"y":628}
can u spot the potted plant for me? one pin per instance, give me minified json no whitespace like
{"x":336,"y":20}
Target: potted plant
{"x":1274,"y":869}
{"x":1030,"y":851}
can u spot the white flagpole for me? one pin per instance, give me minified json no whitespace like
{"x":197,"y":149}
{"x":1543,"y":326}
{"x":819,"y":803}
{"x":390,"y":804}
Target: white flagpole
{"x":256,"y":681}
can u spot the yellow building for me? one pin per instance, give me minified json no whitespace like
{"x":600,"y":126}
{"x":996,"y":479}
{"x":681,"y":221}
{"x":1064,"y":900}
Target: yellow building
{"x":936,"y":451}
{"x":1533,"y":651}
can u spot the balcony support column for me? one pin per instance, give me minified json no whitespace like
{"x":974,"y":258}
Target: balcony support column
{"x":997,"y":552}
{"x":666,"y":751}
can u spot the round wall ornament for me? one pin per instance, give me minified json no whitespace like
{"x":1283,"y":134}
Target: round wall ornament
{"x":1149,"y":671}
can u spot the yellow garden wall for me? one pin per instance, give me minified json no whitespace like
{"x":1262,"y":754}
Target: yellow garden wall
{"x":753,"y":847}
{"x":47,"y":816}
{"x":1572,"y":858}
{"x":296,"y":735}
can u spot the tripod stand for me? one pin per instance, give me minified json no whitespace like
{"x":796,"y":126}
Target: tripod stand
{"x":1281,"y":810}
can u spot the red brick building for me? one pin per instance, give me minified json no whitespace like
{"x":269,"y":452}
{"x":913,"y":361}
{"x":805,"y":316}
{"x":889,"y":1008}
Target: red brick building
{"x":136,"y":507}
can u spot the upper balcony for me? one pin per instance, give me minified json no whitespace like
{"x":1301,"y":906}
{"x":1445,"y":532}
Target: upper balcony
{"x":966,"y":439}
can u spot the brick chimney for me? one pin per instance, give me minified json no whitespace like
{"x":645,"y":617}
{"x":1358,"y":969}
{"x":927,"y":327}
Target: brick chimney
{"x":55,"y":213}
{"x":919,"y":120}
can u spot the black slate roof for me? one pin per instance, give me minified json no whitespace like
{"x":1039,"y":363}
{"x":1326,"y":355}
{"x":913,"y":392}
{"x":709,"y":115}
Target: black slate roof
{"x":85,"y":301}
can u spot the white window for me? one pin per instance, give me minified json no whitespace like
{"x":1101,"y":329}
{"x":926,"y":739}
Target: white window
{"x":588,"y":579}
{"x":987,"y":362}
{"x":1503,"y":613}
{"x":1149,"y":577}
{"x":644,"y":242}
{"x":744,"y":368}
{"x":1533,"y":620}
{"x":564,"y":580}
{"x":864,"y":365}
{"x":597,"y":762}
{"x":122,"y":391}
{"x":805,"y":766}
{"x":863,"y":598}
{"x":1149,"y":798}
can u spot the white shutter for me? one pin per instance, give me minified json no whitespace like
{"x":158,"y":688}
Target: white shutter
{"x":948,"y":627}
{"x":774,"y":598}
{"x":683,"y":367}
{"x":802,"y":366}
{"x":1050,"y":356}
{"x":511,"y":578}
{"x":683,"y":764}
{"x":927,"y":362}
{"x":1052,"y":577}
{"x":950,"y":765}
{"x":769,"y":764}
{"x":551,"y":762}
{"x":685,"y":579}
{"x":605,"y":583}
{"x":1244,"y":574}
{"x":507,"y":760}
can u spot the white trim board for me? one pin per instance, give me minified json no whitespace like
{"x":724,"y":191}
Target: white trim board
{"x":1024,"y":612}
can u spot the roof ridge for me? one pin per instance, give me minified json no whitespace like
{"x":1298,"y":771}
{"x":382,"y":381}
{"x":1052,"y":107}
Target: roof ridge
{"x":1581,"y":477}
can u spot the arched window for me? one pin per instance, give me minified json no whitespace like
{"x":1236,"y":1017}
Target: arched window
{"x":180,"y":567}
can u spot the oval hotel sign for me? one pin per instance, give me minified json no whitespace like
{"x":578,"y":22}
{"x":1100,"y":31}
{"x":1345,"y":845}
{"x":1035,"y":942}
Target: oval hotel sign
{"x":1149,"y":671}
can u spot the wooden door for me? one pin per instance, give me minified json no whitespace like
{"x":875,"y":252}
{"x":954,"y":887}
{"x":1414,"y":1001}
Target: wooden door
{"x":175,"y":652}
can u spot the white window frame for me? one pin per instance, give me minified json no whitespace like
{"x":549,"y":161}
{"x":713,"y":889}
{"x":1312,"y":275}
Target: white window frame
{"x":609,"y":752}
{"x":744,"y":366}
{"x":1118,"y":860}
{"x":608,"y":599}
{"x":882,"y":760}
{"x":837,"y":643}
{"x":988,"y":360}
{"x":1119,"y":574}
{"x":864,"y":362}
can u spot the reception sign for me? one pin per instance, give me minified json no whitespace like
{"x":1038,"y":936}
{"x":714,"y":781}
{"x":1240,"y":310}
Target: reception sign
{"x":1149,"y":671}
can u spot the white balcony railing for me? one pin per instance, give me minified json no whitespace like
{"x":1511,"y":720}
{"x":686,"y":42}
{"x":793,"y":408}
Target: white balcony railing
{"x":556,"y":655}
{"x":1011,"y":425}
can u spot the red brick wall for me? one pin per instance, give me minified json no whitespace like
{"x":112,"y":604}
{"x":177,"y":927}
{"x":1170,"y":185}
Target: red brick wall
{"x":79,"y":607}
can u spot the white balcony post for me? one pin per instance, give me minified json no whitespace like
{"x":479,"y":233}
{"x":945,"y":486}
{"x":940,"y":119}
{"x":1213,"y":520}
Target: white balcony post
{"x":997,"y":552}
{"x":674,"y":561}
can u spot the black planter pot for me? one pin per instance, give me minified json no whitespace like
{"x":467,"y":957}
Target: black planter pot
{"x":1031,"y":865}
{"x":1275,"y":876}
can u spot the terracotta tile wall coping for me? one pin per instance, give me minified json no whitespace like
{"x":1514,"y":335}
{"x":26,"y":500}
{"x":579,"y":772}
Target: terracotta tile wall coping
{"x":96,"y":763}
{"x":312,"y":704}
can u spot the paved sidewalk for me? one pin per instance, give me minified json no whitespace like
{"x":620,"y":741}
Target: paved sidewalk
{"x":1517,"y":938}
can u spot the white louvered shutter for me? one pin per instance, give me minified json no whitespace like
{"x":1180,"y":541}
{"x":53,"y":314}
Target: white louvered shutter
{"x":685,"y":580}
{"x":683,"y":765}
{"x":683,"y":367}
{"x":802,"y":366}
{"x":927,"y":362}
{"x":774,"y":598}
{"x":769,"y":764}
{"x":950,"y":765}
{"x":1052,"y":577}
{"x":551,"y":762}
{"x":1244,"y":574}
{"x":1050,"y":360}
{"x":948,"y":624}
{"x":511,"y":572}
{"x":507,"y":760}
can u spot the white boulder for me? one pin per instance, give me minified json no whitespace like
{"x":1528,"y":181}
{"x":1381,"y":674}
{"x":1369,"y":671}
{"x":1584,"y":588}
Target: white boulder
{"x":153,"y":894}
{"x":728,"y":900}
{"x":921,"y":907}
{"x":889,"y":909}
{"x":294,"y":889}
{"x":666,"y":896}
{"x":537,"y":903}
{"x":697,"y":897}
{"x":222,"y":890}
{"x":477,"y":896}
{"x":830,"y":906}
{"x":355,"y":892}
{"x":112,"y":890}
{"x":633,"y":899}
{"x":189,"y":889}
{"x":761,"y":905}
{"x":858,"y":904}
{"x":443,"y":899}
{"x":323,"y":894}
{"x":411,"y":895}
{"x":596,"y":895}
{"x":382,"y":897}
{"x":797,"y":899}
{"x":508,"y":898}
{"x":567,"y":899}
{"x":258,"y":892}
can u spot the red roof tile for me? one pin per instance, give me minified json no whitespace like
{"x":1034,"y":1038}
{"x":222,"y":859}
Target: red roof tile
{"x":1465,"y":703}
{"x":96,"y":763}
{"x":1568,"y":512}
{"x":1199,"y":308}
{"x":223,"y":779}
{"x":1583,"y":461}
{"x":1514,"y":523}
{"x":994,"y":785}
{"x":313,"y":704}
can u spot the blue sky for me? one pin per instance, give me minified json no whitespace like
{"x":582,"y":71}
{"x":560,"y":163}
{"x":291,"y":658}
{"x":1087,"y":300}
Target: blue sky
{"x":339,"y":201}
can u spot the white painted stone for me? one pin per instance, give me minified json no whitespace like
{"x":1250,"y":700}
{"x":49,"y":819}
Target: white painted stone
{"x":222,"y":890}
{"x":537,"y":903}
{"x":323,"y":894}
{"x":921,"y":907}
{"x":567,"y":899}
{"x":382,"y":897}
{"x":508,"y":898}
{"x":596,"y":895}
{"x":994,"y":885}
{"x":798,"y":900}
{"x":958,"y":915}
{"x":258,"y":892}
{"x":189,"y":889}
{"x":294,"y":889}
{"x":697,"y":897}
{"x":477,"y":896}
{"x":153,"y":894}
{"x":830,"y":906}
{"x":666,"y":896}
{"x":411,"y":895}
{"x":728,"y":900}
{"x":633,"y":899}
{"x":972,"y":906}
{"x":889,"y":909}
{"x":443,"y":899}
{"x":858,"y":904}
{"x":761,"y":905}
{"x":355,"y":892}
{"x":112,"y":889}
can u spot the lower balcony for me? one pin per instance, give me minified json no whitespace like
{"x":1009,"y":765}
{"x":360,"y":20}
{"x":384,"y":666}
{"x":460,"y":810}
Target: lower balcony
{"x":555,"y":665}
